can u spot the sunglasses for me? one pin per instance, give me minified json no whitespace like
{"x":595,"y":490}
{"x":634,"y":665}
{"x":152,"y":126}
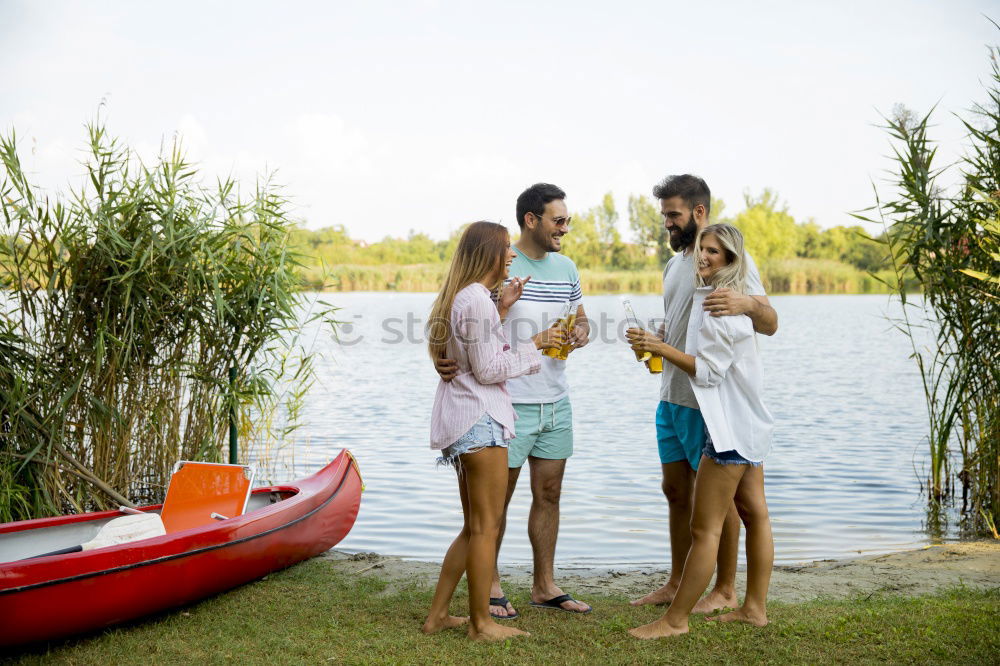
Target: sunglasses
{"x":558,"y":221}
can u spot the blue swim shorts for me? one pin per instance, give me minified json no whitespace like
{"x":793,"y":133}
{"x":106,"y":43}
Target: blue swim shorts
{"x":543,"y":430}
{"x":680,"y":434}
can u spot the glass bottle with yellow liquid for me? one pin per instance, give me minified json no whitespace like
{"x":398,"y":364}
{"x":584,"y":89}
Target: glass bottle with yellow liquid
{"x":653,"y":362}
{"x":566,"y":322}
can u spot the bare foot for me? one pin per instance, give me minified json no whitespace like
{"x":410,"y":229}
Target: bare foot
{"x":494,"y":632}
{"x":741,"y":615}
{"x":714,"y":601}
{"x":438,"y":624}
{"x":658,"y":629}
{"x":663,"y":595}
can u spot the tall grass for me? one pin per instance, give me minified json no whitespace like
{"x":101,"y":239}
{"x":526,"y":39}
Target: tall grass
{"x":618,"y":282}
{"x":384,"y":277}
{"x":824,"y":276}
{"x":125,"y":304}
{"x":782,"y":276}
{"x":951,"y":243}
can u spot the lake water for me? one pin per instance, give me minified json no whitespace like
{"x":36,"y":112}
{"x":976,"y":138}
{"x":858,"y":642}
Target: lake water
{"x":841,"y":478}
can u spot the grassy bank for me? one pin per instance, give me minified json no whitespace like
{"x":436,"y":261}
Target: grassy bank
{"x":787,"y":276}
{"x":312,"y":613}
{"x":821,"y":276}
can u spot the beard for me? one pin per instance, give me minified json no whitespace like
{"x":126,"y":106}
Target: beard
{"x":685,"y":237}
{"x":546,"y":241}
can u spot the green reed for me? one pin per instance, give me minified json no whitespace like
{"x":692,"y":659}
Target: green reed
{"x":125,"y":304}
{"x":951,"y":244}
{"x":781,"y":276}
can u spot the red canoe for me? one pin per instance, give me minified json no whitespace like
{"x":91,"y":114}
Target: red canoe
{"x":60,"y":595}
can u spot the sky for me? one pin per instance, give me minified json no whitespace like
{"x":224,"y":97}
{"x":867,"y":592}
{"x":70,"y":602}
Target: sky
{"x":387,"y":117}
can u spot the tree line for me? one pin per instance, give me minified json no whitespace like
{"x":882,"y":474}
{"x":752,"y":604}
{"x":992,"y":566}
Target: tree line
{"x":793,"y":256}
{"x":595,"y":241}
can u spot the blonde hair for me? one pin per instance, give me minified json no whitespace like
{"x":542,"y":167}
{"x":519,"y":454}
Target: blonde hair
{"x":734,"y":274}
{"x":481,"y":251}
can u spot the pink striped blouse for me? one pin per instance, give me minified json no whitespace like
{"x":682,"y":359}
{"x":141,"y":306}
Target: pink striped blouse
{"x":485,"y":361}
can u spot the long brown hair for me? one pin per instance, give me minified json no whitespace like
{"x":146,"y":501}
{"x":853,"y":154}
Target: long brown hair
{"x":481,"y":251}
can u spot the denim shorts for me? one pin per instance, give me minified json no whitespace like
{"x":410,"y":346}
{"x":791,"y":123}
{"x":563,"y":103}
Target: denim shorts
{"x":483,"y":434}
{"x":726,"y":457}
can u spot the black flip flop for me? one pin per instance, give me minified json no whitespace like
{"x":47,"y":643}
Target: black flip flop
{"x":502,"y":601}
{"x":556,"y":603}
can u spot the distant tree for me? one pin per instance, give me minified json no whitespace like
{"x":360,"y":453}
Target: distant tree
{"x":330,"y":245}
{"x":716,"y":206}
{"x":769,"y":230}
{"x":583,"y":243}
{"x":647,"y":224}
{"x":449,"y":246}
{"x":866,"y":253}
{"x":595,"y":241}
{"x":615,"y":254}
{"x":810,"y":238}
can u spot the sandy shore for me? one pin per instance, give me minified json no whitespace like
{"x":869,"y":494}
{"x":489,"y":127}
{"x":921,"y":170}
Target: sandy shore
{"x":921,"y":571}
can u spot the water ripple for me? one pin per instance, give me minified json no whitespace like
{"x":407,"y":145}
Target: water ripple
{"x":840,"y":479}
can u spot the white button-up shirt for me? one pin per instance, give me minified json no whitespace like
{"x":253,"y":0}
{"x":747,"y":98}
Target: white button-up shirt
{"x":728,"y":381}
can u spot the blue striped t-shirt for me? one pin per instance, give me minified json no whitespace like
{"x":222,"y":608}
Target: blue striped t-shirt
{"x":554,"y":282}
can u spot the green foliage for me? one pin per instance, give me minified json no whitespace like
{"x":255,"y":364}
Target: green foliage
{"x":339,"y":617}
{"x":126,"y":305}
{"x":621,"y":282}
{"x":595,"y":244}
{"x":716,"y":206}
{"x":583,"y":243}
{"x":951,"y":244}
{"x":332,"y":246}
{"x":821,"y":276}
{"x":768,"y":229}
{"x":647,"y":225}
{"x":851,"y":245}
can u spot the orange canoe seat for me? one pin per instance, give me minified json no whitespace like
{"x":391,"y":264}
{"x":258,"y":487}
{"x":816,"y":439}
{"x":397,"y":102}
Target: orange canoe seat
{"x":201,"y":493}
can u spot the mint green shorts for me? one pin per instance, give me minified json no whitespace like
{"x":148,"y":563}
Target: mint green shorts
{"x":544,"y":430}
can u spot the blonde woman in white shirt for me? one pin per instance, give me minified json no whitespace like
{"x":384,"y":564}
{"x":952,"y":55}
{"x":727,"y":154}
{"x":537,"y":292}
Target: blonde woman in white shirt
{"x":726,"y":377}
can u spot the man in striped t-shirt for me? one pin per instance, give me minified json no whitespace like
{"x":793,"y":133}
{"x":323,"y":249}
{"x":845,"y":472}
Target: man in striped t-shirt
{"x":544,"y":426}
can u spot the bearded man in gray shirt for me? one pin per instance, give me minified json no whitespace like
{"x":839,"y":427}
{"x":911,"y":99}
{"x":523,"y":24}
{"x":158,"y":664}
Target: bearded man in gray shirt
{"x":685,"y":202}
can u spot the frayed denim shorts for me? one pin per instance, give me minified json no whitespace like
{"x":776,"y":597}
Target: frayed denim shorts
{"x":482,"y":435}
{"x":726,"y":457}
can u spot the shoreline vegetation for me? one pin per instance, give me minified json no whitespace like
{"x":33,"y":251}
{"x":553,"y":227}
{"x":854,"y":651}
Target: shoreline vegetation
{"x":938,"y":604}
{"x":793,"y":257}
{"x":948,"y":239}
{"x":787,"y":276}
{"x":146,"y":318}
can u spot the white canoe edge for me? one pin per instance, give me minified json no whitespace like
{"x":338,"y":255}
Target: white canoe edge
{"x":27,"y":543}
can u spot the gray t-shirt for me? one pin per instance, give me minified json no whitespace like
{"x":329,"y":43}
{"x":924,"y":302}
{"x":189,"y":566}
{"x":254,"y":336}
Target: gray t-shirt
{"x":678,"y":291}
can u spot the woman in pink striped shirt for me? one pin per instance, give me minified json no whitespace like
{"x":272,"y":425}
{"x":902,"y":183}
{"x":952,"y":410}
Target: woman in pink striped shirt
{"x":473,"y":418}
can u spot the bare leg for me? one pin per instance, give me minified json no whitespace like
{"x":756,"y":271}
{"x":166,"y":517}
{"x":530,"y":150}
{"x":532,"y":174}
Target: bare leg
{"x":723,"y":595}
{"x":452,"y":570}
{"x":678,"y":486}
{"x":760,"y":549}
{"x":486,"y":484}
{"x":543,"y":529}
{"x":496,"y":591}
{"x":714,"y":489}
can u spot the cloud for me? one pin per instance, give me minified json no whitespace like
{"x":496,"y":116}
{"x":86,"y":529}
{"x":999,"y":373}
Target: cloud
{"x":193,"y":137}
{"x":324,"y":143}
